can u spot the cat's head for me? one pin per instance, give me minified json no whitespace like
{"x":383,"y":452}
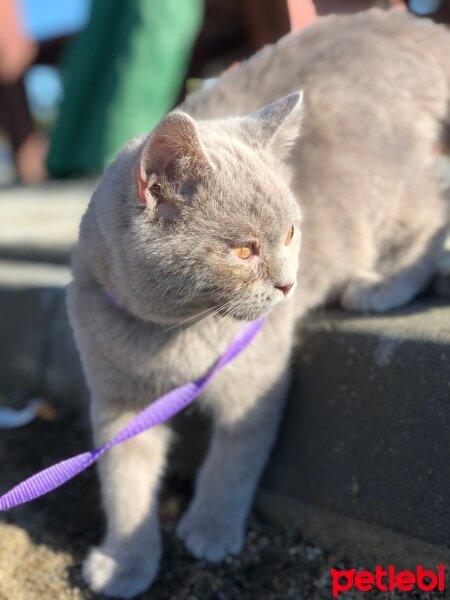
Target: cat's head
{"x":209,"y":222}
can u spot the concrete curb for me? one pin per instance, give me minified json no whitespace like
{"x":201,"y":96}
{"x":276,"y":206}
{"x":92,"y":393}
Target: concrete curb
{"x":359,"y":541}
{"x":365,"y":434}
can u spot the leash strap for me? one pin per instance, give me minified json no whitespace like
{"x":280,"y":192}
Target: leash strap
{"x":157,"y":412}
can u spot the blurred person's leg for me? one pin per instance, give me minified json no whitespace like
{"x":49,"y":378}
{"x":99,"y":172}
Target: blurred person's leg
{"x":301,"y":13}
{"x":124,"y":72}
{"x":29,"y":146}
{"x":17,"y":52}
{"x":15,"y":116}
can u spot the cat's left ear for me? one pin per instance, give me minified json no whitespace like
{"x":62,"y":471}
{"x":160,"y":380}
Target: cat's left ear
{"x":280,"y":123}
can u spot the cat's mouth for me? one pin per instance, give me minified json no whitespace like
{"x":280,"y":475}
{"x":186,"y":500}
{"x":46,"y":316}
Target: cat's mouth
{"x":253,"y":306}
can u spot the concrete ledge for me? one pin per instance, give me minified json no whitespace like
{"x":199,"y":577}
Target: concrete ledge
{"x":358,"y":541}
{"x":365,"y":434}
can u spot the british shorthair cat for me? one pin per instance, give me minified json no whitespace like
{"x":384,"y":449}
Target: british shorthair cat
{"x":227,"y":212}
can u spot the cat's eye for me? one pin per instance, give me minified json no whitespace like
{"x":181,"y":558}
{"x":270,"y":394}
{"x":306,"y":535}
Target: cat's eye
{"x":244,"y":251}
{"x":288,"y":237}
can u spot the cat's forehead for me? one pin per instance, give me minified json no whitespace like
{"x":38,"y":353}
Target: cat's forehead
{"x":230,"y":145}
{"x":248,"y":180}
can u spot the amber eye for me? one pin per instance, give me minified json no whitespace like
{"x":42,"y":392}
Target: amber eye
{"x":289,"y":236}
{"x":243,"y":251}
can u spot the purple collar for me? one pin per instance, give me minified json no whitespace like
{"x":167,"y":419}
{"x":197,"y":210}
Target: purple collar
{"x":112,"y":299}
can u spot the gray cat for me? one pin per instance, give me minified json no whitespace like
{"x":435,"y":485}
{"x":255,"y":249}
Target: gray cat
{"x":196,"y":228}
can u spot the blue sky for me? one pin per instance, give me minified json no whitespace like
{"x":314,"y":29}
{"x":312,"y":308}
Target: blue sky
{"x":44,"y":19}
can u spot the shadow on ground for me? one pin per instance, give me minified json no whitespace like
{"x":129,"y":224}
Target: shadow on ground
{"x":43,"y":543}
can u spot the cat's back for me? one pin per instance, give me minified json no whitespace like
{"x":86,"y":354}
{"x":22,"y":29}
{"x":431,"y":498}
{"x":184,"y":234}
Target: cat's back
{"x":376,"y":94}
{"x":340,"y":61}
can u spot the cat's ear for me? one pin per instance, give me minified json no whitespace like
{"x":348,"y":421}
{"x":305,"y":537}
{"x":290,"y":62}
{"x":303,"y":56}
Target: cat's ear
{"x":173,"y":153}
{"x":280,"y":123}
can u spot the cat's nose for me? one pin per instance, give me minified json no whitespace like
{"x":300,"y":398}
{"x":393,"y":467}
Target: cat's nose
{"x":285,"y":288}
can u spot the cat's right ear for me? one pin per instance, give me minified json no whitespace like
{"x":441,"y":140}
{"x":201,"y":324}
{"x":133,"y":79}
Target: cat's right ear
{"x":172,"y":152}
{"x":280,"y":123}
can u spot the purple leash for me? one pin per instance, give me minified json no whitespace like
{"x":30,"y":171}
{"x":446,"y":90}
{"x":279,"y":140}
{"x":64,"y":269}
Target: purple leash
{"x":157,"y":412}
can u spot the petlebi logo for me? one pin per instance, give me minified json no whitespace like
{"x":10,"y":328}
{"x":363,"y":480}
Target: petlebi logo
{"x":388,"y":580}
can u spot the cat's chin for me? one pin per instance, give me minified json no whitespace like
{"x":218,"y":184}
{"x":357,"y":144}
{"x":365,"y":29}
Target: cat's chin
{"x":250,"y":314}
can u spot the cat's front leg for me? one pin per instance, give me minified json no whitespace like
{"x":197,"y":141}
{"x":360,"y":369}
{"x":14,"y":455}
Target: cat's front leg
{"x":126,"y":562}
{"x":214,"y":524}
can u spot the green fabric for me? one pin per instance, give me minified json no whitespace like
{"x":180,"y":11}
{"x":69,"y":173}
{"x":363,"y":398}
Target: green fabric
{"x":123,"y":73}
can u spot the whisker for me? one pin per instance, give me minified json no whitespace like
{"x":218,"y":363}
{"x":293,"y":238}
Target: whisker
{"x":215,"y":310}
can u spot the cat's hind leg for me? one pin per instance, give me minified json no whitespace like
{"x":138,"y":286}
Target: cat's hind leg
{"x":380,"y":293}
{"x":127,"y":560}
{"x":407,"y":267}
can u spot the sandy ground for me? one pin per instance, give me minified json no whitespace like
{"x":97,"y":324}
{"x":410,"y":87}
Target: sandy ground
{"x":42,"y":543}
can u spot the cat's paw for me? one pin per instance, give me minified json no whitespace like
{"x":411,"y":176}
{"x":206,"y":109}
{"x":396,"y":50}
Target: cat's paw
{"x":208,"y":537}
{"x":118,"y":577}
